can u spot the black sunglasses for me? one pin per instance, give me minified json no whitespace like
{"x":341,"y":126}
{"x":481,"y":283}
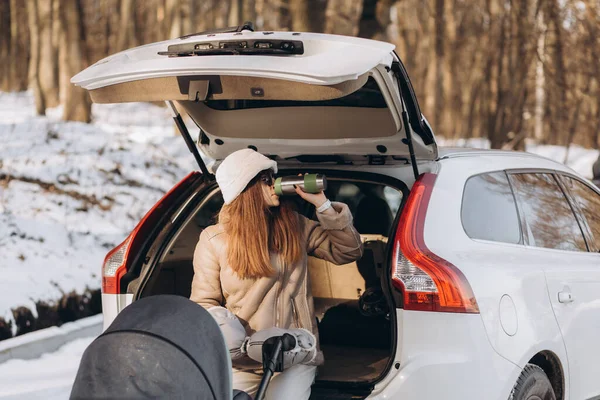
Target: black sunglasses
{"x":267,"y":177}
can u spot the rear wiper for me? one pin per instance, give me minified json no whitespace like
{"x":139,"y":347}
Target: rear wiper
{"x":247,"y":26}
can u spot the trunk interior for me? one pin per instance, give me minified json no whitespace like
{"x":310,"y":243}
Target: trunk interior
{"x":352,"y":301}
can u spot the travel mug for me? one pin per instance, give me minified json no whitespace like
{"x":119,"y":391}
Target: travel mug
{"x":309,"y":183}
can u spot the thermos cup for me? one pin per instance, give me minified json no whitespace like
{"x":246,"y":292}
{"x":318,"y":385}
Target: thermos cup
{"x":309,"y":183}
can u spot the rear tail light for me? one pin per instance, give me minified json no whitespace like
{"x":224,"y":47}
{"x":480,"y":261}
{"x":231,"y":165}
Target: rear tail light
{"x":114,"y":267}
{"x":427,"y":281}
{"x":116,"y":262}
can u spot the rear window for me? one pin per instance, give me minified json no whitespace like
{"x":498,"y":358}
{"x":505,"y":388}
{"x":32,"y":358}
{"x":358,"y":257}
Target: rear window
{"x":368,"y":96}
{"x":489,"y":211}
{"x":589,"y":202}
{"x":550,"y":220}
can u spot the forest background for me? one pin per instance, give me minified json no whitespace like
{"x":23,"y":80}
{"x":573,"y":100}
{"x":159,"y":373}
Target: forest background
{"x":505,"y":70}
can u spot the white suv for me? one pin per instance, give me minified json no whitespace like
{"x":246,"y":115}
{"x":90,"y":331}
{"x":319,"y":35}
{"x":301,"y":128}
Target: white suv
{"x":481,"y":274}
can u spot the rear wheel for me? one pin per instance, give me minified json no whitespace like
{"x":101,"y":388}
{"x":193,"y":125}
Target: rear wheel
{"x":533,"y":384}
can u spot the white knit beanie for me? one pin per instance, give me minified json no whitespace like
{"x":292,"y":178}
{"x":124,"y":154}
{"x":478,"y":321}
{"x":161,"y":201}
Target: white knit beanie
{"x":238,"y":169}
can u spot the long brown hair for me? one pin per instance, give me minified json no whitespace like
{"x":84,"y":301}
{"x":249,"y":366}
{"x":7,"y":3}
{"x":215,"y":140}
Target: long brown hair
{"x":255,"y":230}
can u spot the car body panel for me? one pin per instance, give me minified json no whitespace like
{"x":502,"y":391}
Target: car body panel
{"x":485,"y":263}
{"x":579,"y":320}
{"x":112,"y":305}
{"x":327,"y":60}
{"x":445,"y":356}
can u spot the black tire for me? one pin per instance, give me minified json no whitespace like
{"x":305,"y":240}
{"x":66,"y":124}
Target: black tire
{"x":533,"y":384}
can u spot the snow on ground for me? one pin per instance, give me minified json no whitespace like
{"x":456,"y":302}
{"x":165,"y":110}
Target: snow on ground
{"x":69,"y":192}
{"x":49,"y":377}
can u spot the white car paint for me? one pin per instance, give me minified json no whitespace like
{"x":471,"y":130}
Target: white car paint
{"x":112,"y":305}
{"x":327,"y":60}
{"x":445,"y":356}
{"x":579,"y":319}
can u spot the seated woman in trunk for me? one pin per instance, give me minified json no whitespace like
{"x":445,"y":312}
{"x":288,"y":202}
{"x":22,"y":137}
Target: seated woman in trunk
{"x":254,"y":263}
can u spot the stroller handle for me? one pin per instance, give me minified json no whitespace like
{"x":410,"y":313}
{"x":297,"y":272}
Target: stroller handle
{"x":281,"y":343}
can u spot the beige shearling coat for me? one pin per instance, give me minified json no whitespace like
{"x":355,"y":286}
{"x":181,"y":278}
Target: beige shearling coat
{"x":283,"y":300}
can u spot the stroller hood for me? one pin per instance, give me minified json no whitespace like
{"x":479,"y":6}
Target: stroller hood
{"x":158,"y":347}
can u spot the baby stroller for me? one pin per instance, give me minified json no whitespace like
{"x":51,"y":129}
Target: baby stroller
{"x":163,"y":347}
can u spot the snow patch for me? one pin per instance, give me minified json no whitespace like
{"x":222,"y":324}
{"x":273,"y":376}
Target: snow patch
{"x":48,"y":377}
{"x":70,"y":191}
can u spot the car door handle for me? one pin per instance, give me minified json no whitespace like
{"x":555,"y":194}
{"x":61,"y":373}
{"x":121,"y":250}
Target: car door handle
{"x":565,"y":297}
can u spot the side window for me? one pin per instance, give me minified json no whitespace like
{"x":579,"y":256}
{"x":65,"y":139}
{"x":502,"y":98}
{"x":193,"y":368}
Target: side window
{"x":589,"y":202}
{"x":488,"y":209}
{"x":550,"y":219}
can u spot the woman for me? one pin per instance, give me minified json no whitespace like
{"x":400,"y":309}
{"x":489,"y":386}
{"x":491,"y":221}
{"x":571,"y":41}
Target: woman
{"x":254,"y":263}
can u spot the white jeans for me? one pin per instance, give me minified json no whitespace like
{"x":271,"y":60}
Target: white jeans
{"x":292,"y":384}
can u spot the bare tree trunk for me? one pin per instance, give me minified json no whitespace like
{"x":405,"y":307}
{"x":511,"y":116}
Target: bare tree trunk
{"x":56,"y":32}
{"x":249,"y":11}
{"x":235,"y":13}
{"x":176,"y":18}
{"x":593,"y":42}
{"x":151,"y":23}
{"x":19,"y":46}
{"x":187,"y":7}
{"x":300,"y":15}
{"x":270,"y":14}
{"x":574,"y":123}
{"x":162,"y":19}
{"x":597,"y":131}
{"x":558,"y":131}
{"x":34,"y":61}
{"x":126,"y":25}
{"x":4,"y":45}
{"x":453,"y":106}
{"x":540,"y":93}
{"x":48,"y":63}
{"x":496,"y":118}
{"x":221,"y":14}
{"x":72,"y":59}
{"x":342,"y":17}
{"x":517,"y":82}
{"x":439,"y":64}
{"x":375,"y":19}
{"x":406,"y":21}
{"x":427,"y":59}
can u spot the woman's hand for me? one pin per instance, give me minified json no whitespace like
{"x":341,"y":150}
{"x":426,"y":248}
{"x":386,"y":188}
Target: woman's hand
{"x":316,"y":199}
